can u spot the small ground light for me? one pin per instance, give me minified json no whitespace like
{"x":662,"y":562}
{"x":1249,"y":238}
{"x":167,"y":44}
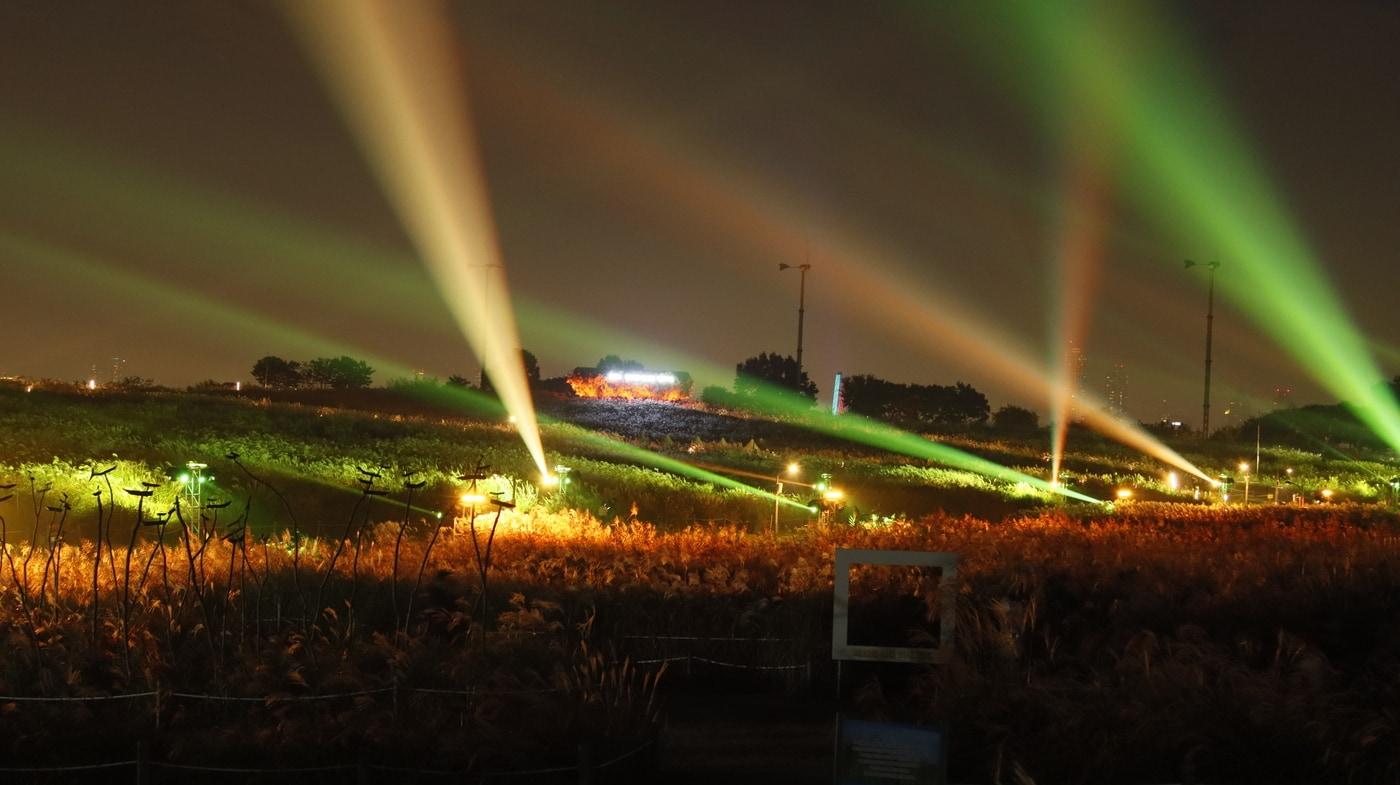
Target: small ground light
{"x":1327,"y":494}
{"x":834,"y":495}
{"x":471,"y":498}
{"x":1173,"y":481}
{"x":549,"y":480}
{"x":562,"y":472}
{"x":1124,"y":494}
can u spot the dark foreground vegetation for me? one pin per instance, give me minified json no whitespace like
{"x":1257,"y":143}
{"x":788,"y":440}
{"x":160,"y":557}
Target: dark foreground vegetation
{"x":308,"y":609}
{"x":1160,"y":644}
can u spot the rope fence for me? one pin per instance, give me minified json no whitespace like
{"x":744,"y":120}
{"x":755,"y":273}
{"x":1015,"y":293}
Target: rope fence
{"x":141,"y":763}
{"x":454,"y":691}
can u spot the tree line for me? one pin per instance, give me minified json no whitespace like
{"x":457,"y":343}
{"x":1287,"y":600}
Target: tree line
{"x":918,"y":406}
{"x":337,"y":373}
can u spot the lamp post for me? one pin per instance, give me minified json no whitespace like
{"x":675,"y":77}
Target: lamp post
{"x":792,"y":470}
{"x":801,"y":306}
{"x":1210,"y":323}
{"x":1244,"y":471}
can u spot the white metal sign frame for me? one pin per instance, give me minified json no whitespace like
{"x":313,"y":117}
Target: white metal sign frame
{"x":841,"y":649}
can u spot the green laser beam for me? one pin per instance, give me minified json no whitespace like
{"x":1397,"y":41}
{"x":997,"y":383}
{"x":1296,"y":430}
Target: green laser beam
{"x":1187,"y":167}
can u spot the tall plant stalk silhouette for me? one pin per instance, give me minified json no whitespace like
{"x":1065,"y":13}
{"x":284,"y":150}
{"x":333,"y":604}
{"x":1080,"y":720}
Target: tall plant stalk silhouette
{"x":296,"y":537}
{"x":410,"y":486}
{"x":366,"y":479}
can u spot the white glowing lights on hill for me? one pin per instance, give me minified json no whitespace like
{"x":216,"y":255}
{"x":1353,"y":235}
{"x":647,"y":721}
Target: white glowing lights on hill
{"x":647,"y":378}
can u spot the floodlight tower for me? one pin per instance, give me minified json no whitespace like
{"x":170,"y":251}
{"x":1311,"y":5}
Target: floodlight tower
{"x":801,"y":306}
{"x":1210,"y":323}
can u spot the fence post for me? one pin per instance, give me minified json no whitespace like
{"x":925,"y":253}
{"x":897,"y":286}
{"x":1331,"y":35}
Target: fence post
{"x":143,"y":764}
{"x":585,"y":764}
{"x":362,"y":773}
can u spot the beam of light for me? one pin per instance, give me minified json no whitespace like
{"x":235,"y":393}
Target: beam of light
{"x":178,"y":209}
{"x":666,"y":463}
{"x":174,"y":209}
{"x":753,"y":213}
{"x":162,"y":300}
{"x":1080,"y":237}
{"x":393,"y":69}
{"x":1198,"y":177}
{"x":784,"y":406}
{"x":180,"y":302}
{"x":774,"y":477}
{"x":1077,"y":262}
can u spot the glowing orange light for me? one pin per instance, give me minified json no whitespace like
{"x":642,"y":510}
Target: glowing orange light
{"x":599,"y":386}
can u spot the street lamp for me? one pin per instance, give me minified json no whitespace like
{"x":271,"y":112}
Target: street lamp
{"x":1244,"y":471}
{"x":801,"y":306}
{"x":1210,"y":322}
{"x":792,"y":471}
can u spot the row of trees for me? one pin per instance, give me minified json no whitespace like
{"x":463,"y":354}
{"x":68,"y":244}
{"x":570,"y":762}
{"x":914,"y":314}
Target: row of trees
{"x":339,"y":373}
{"x":915,"y":405}
{"x":910,"y":405}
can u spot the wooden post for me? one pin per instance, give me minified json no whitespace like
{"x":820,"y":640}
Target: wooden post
{"x":586,"y":771}
{"x":143,"y":764}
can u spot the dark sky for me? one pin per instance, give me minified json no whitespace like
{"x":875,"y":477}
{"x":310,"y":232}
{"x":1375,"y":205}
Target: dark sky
{"x":650,"y":164}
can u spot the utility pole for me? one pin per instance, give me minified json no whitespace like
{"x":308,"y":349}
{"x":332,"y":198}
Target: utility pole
{"x":801,"y":306}
{"x":1210,"y":325}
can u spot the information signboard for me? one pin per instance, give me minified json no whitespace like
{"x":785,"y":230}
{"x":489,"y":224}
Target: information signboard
{"x":887,"y":753}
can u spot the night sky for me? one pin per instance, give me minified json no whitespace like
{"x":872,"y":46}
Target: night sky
{"x":650,"y":164}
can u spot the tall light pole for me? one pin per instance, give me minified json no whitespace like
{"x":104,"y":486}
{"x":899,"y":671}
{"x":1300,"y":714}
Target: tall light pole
{"x":801,"y":306}
{"x":792,"y":470}
{"x":1210,"y":325}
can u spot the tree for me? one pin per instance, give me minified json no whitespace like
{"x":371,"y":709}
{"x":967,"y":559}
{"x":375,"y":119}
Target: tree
{"x":1014,"y":419}
{"x":532,"y":372}
{"x":915,"y":405}
{"x":775,"y":370}
{"x":614,"y":363}
{"x":273,"y":371}
{"x":458,"y":381}
{"x":963,"y":405}
{"x":340,"y":373}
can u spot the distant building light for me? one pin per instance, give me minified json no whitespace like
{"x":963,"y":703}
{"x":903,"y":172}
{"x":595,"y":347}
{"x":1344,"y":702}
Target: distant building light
{"x":648,"y":378}
{"x":92,"y":384}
